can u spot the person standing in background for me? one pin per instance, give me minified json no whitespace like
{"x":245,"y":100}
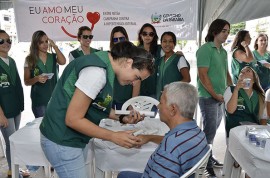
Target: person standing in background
{"x":241,"y":54}
{"x":171,"y":67}
{"x":147,"y":39}
{"x":37,"y":64}
{"x":213,"y":77}
{"x":122,"y":93}
{"x":262,"y":60}
{"x":11,"y":95}
{"x":85,"y":37}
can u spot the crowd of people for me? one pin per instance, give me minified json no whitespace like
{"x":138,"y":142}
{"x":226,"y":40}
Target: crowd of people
{"x":95,"y":83}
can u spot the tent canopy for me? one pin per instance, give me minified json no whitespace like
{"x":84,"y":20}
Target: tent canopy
{"x":233,"y":11}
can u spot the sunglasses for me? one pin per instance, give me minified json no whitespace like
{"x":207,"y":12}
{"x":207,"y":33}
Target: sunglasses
{"x":87,"y":36}
{"x":115,"y":40}
{"x":151,"y":34}
{"x":2,"y":41}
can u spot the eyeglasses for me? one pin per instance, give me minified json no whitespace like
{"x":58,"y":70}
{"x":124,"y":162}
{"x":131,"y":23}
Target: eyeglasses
{"x":151,"y":34}
{"x":87,"y":36}
{"x":115,"y":40}
{"x":2,"y":41}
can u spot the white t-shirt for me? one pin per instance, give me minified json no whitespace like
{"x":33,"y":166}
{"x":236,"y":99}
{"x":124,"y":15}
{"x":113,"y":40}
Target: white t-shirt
{"x":182,"y":63}
{"x":91,"y":81}
{"x":267,"y":95}
{"x":6,"y":60}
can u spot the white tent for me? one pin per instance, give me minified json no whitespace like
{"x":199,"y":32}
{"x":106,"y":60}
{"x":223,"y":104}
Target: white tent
{"x":233,"y":11}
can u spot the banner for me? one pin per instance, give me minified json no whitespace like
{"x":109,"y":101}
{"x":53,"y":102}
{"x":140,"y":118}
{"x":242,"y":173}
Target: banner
{"x":60,"y":19}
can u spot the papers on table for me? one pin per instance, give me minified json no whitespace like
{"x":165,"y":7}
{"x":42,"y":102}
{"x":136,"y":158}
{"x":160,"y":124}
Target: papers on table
{"x":49,"y":75}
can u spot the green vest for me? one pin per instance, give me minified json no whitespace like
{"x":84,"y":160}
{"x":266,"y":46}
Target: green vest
{"x":121,"y":93}
{"x":263,"y":72}
{"x":77,"y":53}
{"x":167,"y":72}
{"x":148,"y":86}
{"x":247,"y":110}
{"x":236,"y":67}
{"x":11,"y":91}
{"x":42,"y":92}
{"x":53,"y":124}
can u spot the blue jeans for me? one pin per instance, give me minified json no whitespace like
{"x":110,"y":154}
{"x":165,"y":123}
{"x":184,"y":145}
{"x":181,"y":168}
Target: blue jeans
{"x":68,"y":162}
{"x":39,"y":111}
{"x":212,"y":112}
{"x":129,"y":174}
{"x":13,"y":126}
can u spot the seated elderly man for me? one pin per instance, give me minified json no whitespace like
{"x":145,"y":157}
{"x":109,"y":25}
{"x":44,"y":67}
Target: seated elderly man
{"x":184,"y":145}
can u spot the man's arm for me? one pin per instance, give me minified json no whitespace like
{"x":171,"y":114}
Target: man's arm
{"x":150,"y":138}
{"x":205,"y":80}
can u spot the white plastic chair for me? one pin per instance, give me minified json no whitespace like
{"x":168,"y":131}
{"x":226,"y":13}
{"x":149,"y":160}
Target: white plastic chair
{"x":140,"y":103}
{"x":198,"y":169}
{"x":2,"y":145}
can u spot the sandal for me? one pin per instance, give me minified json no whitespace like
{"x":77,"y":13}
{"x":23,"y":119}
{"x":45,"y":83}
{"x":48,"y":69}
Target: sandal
{"x":25,"y":173}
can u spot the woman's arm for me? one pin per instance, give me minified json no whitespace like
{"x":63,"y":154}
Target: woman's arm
{"x":232,"y":103}
{"x":244,"y":56}
{"x":185,"y":73}
{"x":61,"y":59}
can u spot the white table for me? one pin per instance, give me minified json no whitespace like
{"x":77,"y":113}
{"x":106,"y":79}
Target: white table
{"x":253,"y":160}
{"x":25,"y":148}
{"x":110,"y":157}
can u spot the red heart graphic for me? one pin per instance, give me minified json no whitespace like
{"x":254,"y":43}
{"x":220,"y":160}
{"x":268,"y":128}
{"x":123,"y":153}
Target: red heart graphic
{"x":93,"y":18}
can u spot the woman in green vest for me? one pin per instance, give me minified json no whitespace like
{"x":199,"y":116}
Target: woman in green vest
{"x":148,"y":39}
{"x":85,"y":37}
{"x":82,"y":97}
{"x":171,"y":67}
{"x":244,"y":103}
{"x":121,"y":93}
{"x":241,"y":53}
{"x":262,"y":60}
{"x":41,"y":71}
{"x":11,"y":94}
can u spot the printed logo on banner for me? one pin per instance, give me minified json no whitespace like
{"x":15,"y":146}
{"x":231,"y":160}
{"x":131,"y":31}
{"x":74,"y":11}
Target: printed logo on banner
{"x":92,"y":17}
{"x":156,"y":18}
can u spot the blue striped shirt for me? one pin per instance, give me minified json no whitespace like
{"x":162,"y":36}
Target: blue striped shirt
{"x":179,"y":151}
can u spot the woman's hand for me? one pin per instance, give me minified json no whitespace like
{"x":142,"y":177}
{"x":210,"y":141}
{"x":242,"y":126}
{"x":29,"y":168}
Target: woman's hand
{"x":240,"y":84}
{"x":41,"y":78}
{"x":51,"y":43}
{"x":126,"y":139}
{"x":244,"y":44}
{"x":3,"y":121}
{"x":133,"y":118}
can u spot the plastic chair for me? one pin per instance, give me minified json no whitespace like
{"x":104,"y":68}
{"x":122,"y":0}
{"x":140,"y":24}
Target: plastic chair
{"x":140,"y":103}
{"x":198,"y":169}
{"x":2,"y":145}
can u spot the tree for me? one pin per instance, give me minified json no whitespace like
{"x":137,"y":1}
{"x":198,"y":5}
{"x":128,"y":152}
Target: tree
{"x":236,"y":27}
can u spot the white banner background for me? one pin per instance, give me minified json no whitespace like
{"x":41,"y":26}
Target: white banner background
{"x":60,"y":19}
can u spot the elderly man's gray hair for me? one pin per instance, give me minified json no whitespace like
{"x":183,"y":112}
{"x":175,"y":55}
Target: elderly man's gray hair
{"x":183,"y":95}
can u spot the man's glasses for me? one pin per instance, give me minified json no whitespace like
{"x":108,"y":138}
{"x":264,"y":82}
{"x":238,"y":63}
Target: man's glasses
{"x":115,"y":40}
{"x":2,"y":41}
{"x":151,"y":34}
{"x":87,"y":36}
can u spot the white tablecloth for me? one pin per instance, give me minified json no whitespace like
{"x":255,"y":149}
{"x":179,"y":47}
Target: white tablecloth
{"x":25,"y":147}
{"x":254,"y":160}
{"x":110,"y":157}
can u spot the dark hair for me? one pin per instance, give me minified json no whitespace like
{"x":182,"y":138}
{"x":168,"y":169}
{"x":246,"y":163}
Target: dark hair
{"x":215,"y":28}
{"x":169,"y":34}
{"x":154,"y":43}
{"x":141,"y":58}
{"x":32,"y":57}
{"x":256,"y":41}
{"x":118,"y":29}
{"x":80,"y":31}
{"x":240,"y":36}
{"x":3,"y":31}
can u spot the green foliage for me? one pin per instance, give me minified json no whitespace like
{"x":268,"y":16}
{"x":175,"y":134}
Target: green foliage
{"x":236,"y":27}
{"x":182,"y":43}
